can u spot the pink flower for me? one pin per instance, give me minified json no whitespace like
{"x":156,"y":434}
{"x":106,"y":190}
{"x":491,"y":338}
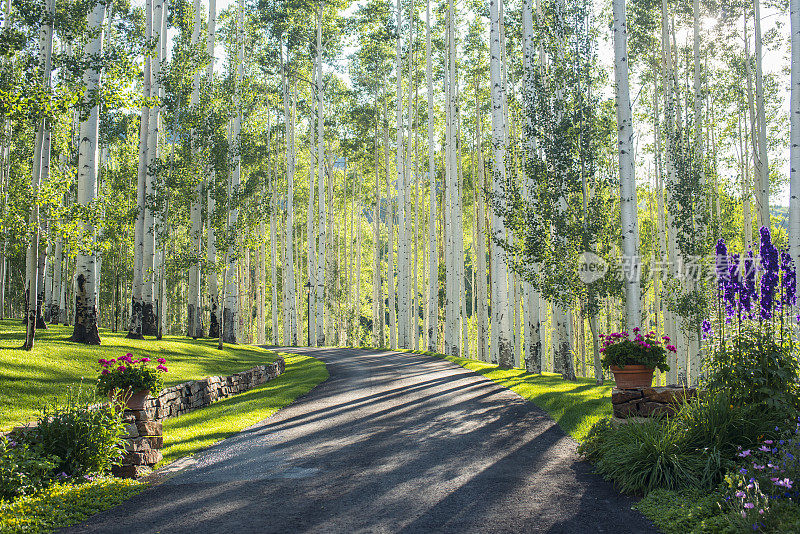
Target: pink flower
{"x":162,"y":361}
{"x":764,"y":448}
{"x":112,"y":361}
{"x":672,"y":348}
{"x":744,"y":453}
{"x":105,"y":371}
{"x":785,"y":483}
{"x":761,"y":511}
{"x":749,"y":505}
{"x":740,"y":494}
{"x":121,"y":368}
{"x":665,"y":338}
{"x":161,"y":368}
{"x":145,"y":360}
{"x":768,"y":441}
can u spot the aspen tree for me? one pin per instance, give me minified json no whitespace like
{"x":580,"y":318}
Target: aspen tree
{"x":794,"y":141}
{"x":194,"y":310}
{"x":41,"y":142}
{"x":499,"y":298}
{"x":433,"y":260}
{"x":321,"y":159}
{"x":85,"y":330}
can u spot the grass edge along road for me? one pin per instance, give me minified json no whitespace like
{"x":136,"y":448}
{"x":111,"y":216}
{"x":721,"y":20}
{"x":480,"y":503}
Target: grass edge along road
{"x":62,"y":505}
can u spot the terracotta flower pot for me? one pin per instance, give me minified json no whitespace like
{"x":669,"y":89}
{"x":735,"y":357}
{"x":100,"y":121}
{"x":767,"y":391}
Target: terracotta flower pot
{"x":133,"y":401}
{"x":633,"y":376}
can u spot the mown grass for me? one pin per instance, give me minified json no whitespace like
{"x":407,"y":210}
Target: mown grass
{"x":200,"y":429}
{"x":30,"y":378}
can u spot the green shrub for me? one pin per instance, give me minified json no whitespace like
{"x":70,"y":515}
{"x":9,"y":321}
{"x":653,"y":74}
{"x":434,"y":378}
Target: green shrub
{"x":591,"y":448}
{"x":23,"y":469}
{"x":756,"y":367}
{"x":642,"y":456}
{"x":86,"y":440}
{"x":690,"y":511}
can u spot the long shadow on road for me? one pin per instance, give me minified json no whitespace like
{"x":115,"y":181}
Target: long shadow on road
{"x":392,"y":442}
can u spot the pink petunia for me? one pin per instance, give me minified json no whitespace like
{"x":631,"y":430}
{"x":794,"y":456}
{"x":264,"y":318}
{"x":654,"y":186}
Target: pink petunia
{"x":162,"y":361}
{"x":672,"y":348}
{"x":121,"y":368}
{"x":145,"y":360}
{"x":105,"y":371}
{"x":161,"y":368}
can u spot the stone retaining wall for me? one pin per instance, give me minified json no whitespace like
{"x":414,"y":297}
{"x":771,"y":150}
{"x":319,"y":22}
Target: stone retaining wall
{"x":647,"y":402}
{"x":144,"y":432}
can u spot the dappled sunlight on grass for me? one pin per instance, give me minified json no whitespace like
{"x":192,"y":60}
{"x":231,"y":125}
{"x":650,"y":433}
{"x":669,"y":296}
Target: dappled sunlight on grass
{"x":30,"y":378}
{"x":575,"y":406}
{"x":200,"y":429}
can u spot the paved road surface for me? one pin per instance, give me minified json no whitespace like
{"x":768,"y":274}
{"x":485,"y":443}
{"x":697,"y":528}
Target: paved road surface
{"x":392,"y":442}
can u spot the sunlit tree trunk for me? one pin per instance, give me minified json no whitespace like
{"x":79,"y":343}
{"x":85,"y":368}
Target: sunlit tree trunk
{"x":377,"y":279}
{"x":85,"y":330}
{"x":433,"y":259}
{"x":794,"y":141}
{"x":272,"y":175}
{"x":628,"y":206}
{"x":402,"y":268}
{"x":763,"y":176}
{"x":41,"y":142}
{"x":194,"y":310}
{"x":230,"y":310}
{"x":482,"y":300}
{"x":320,"y":281}
{"x":499,"y":298}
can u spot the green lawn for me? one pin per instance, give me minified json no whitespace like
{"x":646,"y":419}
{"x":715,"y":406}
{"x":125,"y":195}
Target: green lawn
{"x":575,"y":406}
{"x":199,"y":429}
{"x":30,"y":378}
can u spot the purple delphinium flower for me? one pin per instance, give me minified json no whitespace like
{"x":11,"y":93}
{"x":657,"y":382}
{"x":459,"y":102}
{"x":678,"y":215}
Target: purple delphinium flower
{"x":788,"y":279}
{"x":769,"y":278}
{"x":721,"y":264}
{"x":732,"y":286}
{"x":706,"y":329}
{"x":749,"y":295}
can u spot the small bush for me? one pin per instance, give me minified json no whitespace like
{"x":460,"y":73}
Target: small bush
{"x":86,"y":440}
{"x":23,"y":469}
{"x":651,"y":454}
{"x":127,"y":374}
{"x":591,"y":448}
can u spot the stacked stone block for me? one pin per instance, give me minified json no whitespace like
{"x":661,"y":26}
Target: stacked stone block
{"x":143,"y":440}
{"x":650,"y":401}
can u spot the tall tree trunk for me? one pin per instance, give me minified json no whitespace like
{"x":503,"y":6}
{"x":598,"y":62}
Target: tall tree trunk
{"x":794,"y":142}
{"x":230,"y":310}
{"x":194,"y":309}
{"x":135,"y":327}
{"x":433,"y":260}
{"x":320,"y":281}
{"x":628,"y":205}
{"x":763,"y":178}
{"x":41,"y":142}
{"x":85,"y":330}
{"x":500,"y":319}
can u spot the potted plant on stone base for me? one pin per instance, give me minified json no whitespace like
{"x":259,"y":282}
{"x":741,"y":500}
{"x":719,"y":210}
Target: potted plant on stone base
{"x":634,"y":360}
{"x":130,"y":381}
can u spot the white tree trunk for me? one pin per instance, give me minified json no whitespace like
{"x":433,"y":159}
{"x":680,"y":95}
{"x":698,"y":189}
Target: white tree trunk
{"x":433,"y":260}
{"x":41,"y":142}
{"x":319,"y":288}
{"x":763,"y":178}
{"x":794,"y":142}
{"x":628,"y":206}
{"x":85,"y":330}
{"x":194,"y":309}
{"x":230,"y":310}
{"x":499,"y":298}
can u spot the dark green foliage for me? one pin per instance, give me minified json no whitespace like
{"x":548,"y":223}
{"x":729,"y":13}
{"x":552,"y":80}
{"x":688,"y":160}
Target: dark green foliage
{"x":23,"y":469}
{"x":682,"y":512}
{"x":756,"y":368}
{"x":85,"y":439}
{"x":693,"y":449}
{"x":640,"y":457}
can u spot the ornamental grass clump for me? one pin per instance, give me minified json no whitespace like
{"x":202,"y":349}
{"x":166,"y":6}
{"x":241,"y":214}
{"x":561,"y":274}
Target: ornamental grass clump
{"x":650,"y":350}
{"x":128,"y":375}
{"x":752,"y":353}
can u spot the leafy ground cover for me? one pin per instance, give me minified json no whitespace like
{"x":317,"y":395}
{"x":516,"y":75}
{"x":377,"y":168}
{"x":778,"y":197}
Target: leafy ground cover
{"x":64,"y":504}
{"x":30,"y":378}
